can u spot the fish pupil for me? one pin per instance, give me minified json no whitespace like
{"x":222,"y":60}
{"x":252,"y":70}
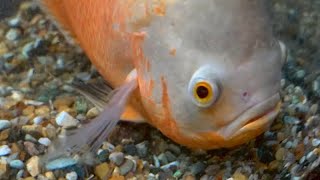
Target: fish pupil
{"x":202,"y":92}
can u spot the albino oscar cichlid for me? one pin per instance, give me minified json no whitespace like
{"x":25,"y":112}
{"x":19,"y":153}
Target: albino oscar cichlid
{"x":206,"y":73}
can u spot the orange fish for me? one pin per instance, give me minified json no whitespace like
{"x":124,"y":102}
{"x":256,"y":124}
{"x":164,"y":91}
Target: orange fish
{"x":205,"y":73}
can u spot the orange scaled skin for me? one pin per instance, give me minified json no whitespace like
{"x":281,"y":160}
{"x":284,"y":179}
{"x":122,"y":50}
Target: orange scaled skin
{"x":107,"y":31}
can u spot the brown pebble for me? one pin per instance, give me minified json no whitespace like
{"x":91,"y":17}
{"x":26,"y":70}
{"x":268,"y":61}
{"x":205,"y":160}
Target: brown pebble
{"x":280,"y":154}
{"x":31,"y":148}
{"x":4,"y":134}
{"x":28,"y":110}
{"x":239,"y":176}
{"x":43,"y":111}
{"x":63,"y":101}
{"x":117,"y":177}
{"x":102,"y":170}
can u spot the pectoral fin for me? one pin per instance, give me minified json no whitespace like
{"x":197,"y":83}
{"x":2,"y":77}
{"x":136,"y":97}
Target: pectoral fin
{"x":89,"y":137}
{"x":98,"y":94}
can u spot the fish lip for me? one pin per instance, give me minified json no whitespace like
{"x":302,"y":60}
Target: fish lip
{"x":262,"y":113}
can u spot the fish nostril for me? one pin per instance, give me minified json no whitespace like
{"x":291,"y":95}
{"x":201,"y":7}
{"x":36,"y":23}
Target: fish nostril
{"x":245,"y":94}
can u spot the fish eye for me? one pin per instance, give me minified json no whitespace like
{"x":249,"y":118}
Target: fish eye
{"x":203,"y":89}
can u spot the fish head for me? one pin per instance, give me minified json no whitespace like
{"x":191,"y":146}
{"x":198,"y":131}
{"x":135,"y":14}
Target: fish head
{"x":209,"y":71}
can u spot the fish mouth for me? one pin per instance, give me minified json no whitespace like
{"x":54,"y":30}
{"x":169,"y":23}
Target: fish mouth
{"x":257,"y":118}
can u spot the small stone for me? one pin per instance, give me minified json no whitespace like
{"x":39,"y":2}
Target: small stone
{"x":280,"y":154}
{"x":102,"y":170}
{"x":61,"y":163}
{"x":197,"y":168}
{"x":14,"y":21}
{"x":130,"y":149}
{"x":17,"y":164}
{"x":117,"y":158}
{"x":4,"y":124}
{"x":31,"y":148}
{"x":174,"y":148}
{"x":63,"y":101}
{"x":81,"y":105}
{"x":13,"y":34}
{"x":163,"y":159}
{"x":20,"y":174}
{"x":92,"y":113}
{"x":3,"y":168}
{"x":126,"y":167}
{"x":49,"y":175}
{"x":291,"y":120}
{"x":4,"y":150}
{"x":28,"y":137}
{"x":142,"y":148}
{"x":44,"y":141}
{"x":71,"y":176}
{"x":239,"y":176}
{"x":65,"y":120}
{"x":315,"y":142}
{"x":171,"y":157}
{"x":37,"y":120}
{"x":177,"y":174}
{"x":32,"y":129}
{"x":4,"y":134}
{"x":311,"y":156}
{"x":33,"y":166}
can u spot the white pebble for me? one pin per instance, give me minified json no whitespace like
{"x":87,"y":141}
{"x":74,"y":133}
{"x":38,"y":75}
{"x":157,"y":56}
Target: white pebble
{"x":16,"y":95}
{"x":66,"y":120}
{"x":37,"y":120}
{"x":4,"y":124}
{"x":315,"y":142}
{"x":44,"y":141}
{"x":71,"y":176}
{"x":4,"y":150}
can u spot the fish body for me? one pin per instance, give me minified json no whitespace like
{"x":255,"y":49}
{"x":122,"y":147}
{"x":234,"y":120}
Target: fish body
{"x":207,"y":72}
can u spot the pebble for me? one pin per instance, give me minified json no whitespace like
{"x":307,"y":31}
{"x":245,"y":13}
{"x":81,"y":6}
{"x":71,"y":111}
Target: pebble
{"x":239,"y":176}
{"x":142,"y":149}
{"x":117,"y":158}
{"x":33,"y":166}
{"x":174,"y":148}
{"x":102,"y":170}
{"x":126,"y":167}
{"x":280,"y":154}
{"x":4,"y":150}
{"x":37,"y":120}
{"x":3,"y":167}
{"x":167,"y":166}
{"x":13,"y":34}
{"x":65,"y":120}
{"x":31,"y":148}
{"x":72,"y":176}
{"x":197,"y":168}
{"x":61,"y":163}
{"x":163,"y":159}
{"x":17,"y":164}
{"x":44,"y":141}
{"x":4,"y":124}
{"x":315,"y":142}
{"x":171,"y":157}
{"x":130,"y":149}
{"x":92,"y":113}
{"x":28,"y":137}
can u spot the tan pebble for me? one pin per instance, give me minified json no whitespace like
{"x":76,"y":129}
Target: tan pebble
{"x":3,"y":48}
{"x":28,"y":110}
{"x":102,"y":170}
{"x":61,"y":178}
{"x":63,"y":101}
{"x":4,"y":134}
{"x":116,"y":171}
{"x":22,"y":156}
{"x":50,"y":175}
{"x":117,"y":177}
{"x":3,"y":168}
{"x":15,"y":148}
{"x":29,"y":178}
{"x":273,"y":165}
{"x":31,"y":129}
{"x":43,"y":111}
{"x":189,"y":177}
{"x":33,"y":166}
{"x":239,"y":176}
{"x":280,"y":136}
{"x":280,"y":154}
{"x":93,"y":112}
{"x":299,"y":151}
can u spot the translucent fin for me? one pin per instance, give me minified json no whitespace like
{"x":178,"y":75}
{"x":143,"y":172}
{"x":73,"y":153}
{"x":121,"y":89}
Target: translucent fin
{"x":89,"y":137}
{"x":99,"y":93}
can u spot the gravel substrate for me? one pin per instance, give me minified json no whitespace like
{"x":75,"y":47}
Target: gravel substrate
{"x":37,"y":102}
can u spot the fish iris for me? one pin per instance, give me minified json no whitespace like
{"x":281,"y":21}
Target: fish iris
{"x":203,"y":92}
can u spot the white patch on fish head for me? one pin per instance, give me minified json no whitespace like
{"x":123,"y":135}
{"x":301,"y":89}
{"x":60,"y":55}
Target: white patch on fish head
{"x":233,"y":39}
